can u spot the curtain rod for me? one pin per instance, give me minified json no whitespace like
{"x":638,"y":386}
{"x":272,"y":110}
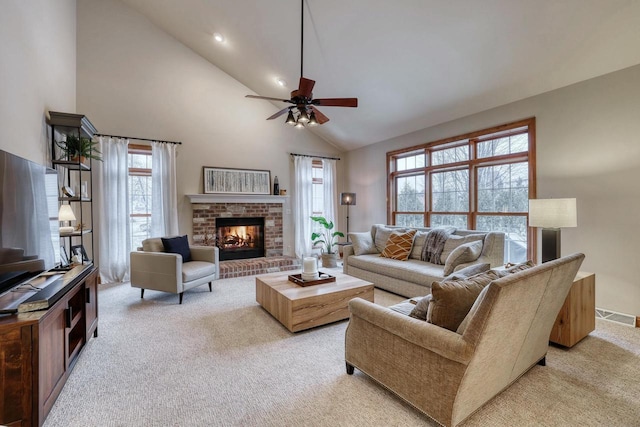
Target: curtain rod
{"x":317,"y":157}
{"x":138,"y":139}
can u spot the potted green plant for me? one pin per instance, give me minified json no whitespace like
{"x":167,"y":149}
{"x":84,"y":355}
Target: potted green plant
{"x":79,"y":148}
{"x":328,"y":240}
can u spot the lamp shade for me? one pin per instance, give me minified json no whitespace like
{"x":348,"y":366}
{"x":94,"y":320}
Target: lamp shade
{"x":66,"y":214}
{"x":348,"y":199}
{"x":553,"y":213}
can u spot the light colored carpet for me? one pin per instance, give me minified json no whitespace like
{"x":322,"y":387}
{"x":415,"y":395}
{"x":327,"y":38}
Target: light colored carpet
{"x":221,"y":360}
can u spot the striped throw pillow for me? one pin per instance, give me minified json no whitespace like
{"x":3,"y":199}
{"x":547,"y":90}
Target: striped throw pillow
{"x":399,"y":245}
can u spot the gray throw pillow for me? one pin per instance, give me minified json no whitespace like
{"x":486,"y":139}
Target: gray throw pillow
{"x":454,"y":241}
{"x":469,"y":271}
{"x":420,"y":309}
{"x":464,"y":253}
{"x":382,"y":235}
{"x":362,"y":243}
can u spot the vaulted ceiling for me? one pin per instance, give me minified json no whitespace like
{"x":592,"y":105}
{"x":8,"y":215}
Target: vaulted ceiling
{"x":411,"y":63}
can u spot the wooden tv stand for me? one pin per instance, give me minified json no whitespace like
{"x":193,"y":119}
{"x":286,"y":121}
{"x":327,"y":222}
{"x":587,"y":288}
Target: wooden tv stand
{"x":39,"y":349}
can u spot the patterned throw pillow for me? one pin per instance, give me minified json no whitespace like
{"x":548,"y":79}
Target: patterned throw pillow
{"x":462,"y":254}
{"x":453,"y":299}
{"x":399,"y":245}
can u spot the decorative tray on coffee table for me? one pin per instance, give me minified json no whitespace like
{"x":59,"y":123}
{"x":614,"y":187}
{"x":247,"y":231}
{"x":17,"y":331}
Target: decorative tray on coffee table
{"x":297,"y":279}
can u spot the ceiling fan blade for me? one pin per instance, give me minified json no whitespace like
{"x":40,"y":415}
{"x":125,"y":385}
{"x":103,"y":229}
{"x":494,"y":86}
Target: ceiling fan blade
{"x":305,"y":87}
{"x":320,"y":118}
{"x":268,"y":98}
{"x":279,"y":113}
{"x":336,"y":102}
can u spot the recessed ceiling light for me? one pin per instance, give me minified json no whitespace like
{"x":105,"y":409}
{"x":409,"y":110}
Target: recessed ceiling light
{"x":218,"y":37}
{"x":281,"y":82}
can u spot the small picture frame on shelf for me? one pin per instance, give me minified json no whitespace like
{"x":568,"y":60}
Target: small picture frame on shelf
{"x":64,"y":258}
{"x":79,"y":251}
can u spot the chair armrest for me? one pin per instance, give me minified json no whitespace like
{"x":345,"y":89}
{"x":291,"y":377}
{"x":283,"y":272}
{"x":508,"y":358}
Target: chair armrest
{"x":208,"y":254}
{"x":438,"y":340}
{"x":347,"y":251}
{"x":156,"y":270}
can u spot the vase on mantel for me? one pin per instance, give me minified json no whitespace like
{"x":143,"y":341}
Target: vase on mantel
{"x":276,"y":187}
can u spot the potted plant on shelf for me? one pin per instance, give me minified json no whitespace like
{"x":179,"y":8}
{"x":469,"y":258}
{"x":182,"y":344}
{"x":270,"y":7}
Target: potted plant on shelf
{"x":79,"y":148}
{"x":327,"y":241}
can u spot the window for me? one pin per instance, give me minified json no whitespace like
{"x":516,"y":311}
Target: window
{"x":478,"y":181}
{"x":318,"y":188}
{"x":139,"y":194}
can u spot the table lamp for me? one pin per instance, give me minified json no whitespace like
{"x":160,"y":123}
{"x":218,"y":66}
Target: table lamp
{"x":348,"y":199}
{"x":552,"y":215}
{"x":66,"y":214}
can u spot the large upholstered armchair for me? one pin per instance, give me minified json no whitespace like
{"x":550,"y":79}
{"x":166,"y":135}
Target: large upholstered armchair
{"x":449,"y":375}
{"x":153,"y":267}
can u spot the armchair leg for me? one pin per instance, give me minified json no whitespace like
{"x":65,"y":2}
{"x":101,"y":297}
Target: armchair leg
{"x":543,"y":361}
{"x":141,"y":293}
{"x":350,"y":368}
{"x":181,"y":293}
{"x":210,"y":290}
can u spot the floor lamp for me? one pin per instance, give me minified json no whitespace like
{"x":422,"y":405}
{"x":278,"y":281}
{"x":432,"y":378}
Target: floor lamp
{"x":348,"y":199}
{"x":551,"y":215}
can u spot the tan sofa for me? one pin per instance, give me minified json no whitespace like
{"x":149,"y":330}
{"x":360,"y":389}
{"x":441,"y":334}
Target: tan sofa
{"x":447,"y":375}
{"x":152,"y":268}
{"x":413,"y":277}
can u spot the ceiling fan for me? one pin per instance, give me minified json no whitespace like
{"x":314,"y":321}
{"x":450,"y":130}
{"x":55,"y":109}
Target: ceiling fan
{"x":303,"y":111}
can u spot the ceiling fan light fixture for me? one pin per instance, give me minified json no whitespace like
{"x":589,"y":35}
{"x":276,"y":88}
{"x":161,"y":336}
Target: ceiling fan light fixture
{"x":290,"y":119}
{"x":281,"y":82}
{"x":218,"y":37}
{"x":312,"y":119}
{"x":299,"y":126}
{"x":304,"y":117}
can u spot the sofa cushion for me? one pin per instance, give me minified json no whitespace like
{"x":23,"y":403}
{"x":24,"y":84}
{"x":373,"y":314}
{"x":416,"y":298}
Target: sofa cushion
{"x":399,"y":245}
{"x":454,"y":241}
{"x":362,"y":243}
{"x":194,"y":270}
{"x":420,"y":309}
{"x":153,"y":244}
{"x":418,"y":272}
{"x":177,"y":245}
{"x":418,"y":244}
{"x":381,"y":235}
{"x":403,"y":307}
{"x":466,"y":252}
{"x":452,"y":299}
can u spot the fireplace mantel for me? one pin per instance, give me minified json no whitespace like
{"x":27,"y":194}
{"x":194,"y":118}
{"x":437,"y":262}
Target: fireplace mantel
{"x":236,"y":198}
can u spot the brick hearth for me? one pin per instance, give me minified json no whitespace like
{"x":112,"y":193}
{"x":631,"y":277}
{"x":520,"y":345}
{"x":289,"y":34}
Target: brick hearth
{"x":206,"y":208}
{"x":251,"y":266}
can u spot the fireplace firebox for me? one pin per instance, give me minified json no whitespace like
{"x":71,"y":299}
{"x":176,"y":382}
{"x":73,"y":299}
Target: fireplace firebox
{"x":240,"y":238}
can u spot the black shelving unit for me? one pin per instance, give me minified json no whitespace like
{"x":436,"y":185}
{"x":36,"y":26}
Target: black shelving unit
{"x":72,"y":173}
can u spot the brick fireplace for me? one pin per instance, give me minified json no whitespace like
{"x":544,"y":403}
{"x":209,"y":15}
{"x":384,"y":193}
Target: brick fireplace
{"x":207,"y":209}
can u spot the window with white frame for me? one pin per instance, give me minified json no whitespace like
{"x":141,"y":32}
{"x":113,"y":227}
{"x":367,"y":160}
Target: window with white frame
{"x":479,"y":181}
{"x":139,"y":193}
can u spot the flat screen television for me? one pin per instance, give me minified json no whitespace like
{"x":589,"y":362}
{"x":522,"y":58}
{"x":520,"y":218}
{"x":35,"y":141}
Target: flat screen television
{"x":29,"y":228}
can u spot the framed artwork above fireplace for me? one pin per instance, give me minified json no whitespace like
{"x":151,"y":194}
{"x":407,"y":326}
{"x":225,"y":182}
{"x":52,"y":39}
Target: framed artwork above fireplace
{"x":236,"y":181}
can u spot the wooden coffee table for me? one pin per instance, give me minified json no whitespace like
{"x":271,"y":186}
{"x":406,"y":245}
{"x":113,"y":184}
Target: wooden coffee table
{"x":299,"y":308}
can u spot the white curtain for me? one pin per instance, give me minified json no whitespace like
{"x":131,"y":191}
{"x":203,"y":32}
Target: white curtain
{"x":112,"y":206}
{"x":164,"y":198}
{"x":329,"y":189}
{"x":303,"y":204}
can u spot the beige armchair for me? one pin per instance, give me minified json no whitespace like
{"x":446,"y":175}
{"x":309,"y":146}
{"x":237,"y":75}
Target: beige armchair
{"x":449,"y":375}
{"x":152,"y":268}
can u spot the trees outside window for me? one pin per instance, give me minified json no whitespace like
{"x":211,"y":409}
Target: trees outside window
{"x":480,"y":181}
{"x":139,"y":193}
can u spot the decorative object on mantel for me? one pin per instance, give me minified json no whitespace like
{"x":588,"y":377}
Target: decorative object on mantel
{"x":276,"y":186}
{"x":552,"y":214}
{"x":283,"y":192}
{"x":236,"y":181}
{"x":327,"y":240}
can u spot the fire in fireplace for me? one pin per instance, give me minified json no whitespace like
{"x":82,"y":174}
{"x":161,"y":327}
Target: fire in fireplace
{"x":240,"y":238}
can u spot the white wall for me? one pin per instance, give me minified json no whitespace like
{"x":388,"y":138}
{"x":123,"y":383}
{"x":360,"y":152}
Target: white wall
{"x":588,"y":147}
{"x":136,"y":80}
{"x":37,"y":71}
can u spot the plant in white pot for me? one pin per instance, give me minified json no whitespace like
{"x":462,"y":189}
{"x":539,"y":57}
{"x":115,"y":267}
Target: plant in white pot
{"x":327,"y":240}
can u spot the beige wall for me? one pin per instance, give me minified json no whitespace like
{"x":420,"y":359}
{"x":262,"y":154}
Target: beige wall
{"x":135,"y":80}
{"x":587,"y":147}
{"x":37,"y":71}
